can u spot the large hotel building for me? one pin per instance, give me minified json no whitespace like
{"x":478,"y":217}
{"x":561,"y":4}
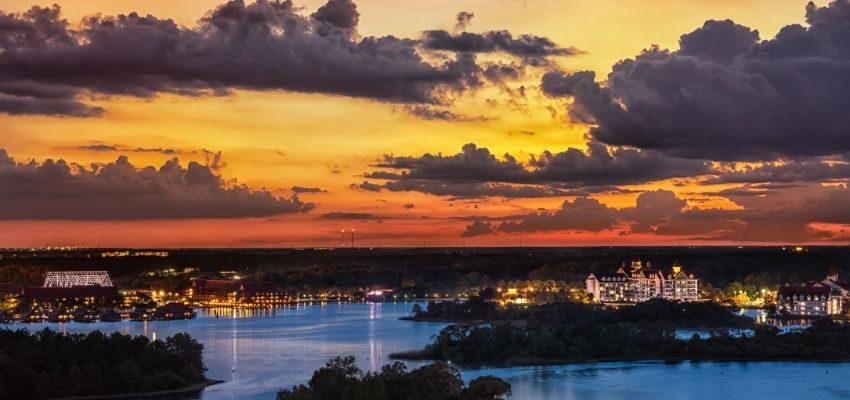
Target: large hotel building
{"x":641,"y":283}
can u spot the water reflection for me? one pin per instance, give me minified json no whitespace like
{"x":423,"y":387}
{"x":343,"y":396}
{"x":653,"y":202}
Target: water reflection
{"x":259,"y":351}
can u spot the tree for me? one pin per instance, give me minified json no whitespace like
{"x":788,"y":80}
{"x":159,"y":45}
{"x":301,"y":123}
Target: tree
{"x":487,"y":388}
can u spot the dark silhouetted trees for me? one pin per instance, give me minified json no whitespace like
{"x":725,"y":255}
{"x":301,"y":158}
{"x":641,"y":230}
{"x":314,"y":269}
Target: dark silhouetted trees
{"x":341,"y":379}
{"x":48,"y":364}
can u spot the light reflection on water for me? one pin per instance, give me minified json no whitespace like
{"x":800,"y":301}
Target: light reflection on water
{"x":259,"y":351}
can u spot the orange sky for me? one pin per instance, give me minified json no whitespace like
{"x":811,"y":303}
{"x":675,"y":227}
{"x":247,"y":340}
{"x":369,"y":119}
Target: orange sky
{"x":278,"y":139}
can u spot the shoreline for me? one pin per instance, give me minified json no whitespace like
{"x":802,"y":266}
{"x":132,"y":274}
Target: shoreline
{"x":419,"y":355}
{"x":193,"y":388}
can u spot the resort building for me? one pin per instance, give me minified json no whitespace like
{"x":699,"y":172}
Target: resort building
{"x":641,"y":283}
{"x":235,"y":293}
{"x":815,"y":299}
{"x":809,"y":301}
{"x":85,"y":287}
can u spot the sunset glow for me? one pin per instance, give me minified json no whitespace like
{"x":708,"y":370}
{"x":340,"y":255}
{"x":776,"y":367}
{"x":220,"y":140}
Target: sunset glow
{"x":438,"y":123}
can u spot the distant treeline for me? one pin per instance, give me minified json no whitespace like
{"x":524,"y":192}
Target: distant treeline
{"x":342,"y":379}
{"x":435,"y":269}
{"x":666,"y":313}
{"x":48,"y":364}
{"x":576,"y":333}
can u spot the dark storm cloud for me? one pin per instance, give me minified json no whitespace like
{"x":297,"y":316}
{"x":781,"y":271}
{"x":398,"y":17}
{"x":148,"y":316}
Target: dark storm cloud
{"x":724,"y":95}
{"x":501,"y":72}
{"x":663,"y":213}
{"x":469,"y":190}
{"x":523,"y":46}
{"x":620,"y":166}
{"x":47,"y":67}
{"x":477,"y":170}
{"x":788,"y":171}
{"x":120,"y":190}
{"x":584,"y":214}
{"x":338,"y":13}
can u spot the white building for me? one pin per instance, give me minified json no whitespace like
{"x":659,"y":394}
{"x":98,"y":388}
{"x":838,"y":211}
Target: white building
{"x":643,"y":283}
{"x":808,"y":301}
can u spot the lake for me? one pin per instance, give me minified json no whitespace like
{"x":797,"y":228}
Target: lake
{"x":259,"y":351}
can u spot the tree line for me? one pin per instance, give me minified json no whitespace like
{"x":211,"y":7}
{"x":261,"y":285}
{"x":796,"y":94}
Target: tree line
{"x":672,"y":314}
{"x":49,"y":364}
{"x":576,"y":335}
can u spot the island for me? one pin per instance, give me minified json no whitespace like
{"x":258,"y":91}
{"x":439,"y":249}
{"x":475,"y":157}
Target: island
{"x":570,"y":332}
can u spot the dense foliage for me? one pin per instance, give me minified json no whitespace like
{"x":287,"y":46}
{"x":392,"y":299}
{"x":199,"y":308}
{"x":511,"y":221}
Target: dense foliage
{"x":424,"y":271}
{"x":665,"y":312}
{"x":341,"y":379}
{"x":48,"y":364}
{"x":599,"y":340}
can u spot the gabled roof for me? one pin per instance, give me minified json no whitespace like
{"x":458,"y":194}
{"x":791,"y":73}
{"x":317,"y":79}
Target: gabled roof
{"x":214,"y":284}
{"x":845,"y":286}
{"x":258,"y":287}
{"x":787,"y":291}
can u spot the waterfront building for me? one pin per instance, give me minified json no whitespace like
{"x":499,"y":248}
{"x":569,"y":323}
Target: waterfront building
{"x":236,"y":293}
{"x":67,"y":279}
{"x":252,"y":293}
{"x":78,"y":294}
{"x":641,"y":283}
{"x":815,"y":300}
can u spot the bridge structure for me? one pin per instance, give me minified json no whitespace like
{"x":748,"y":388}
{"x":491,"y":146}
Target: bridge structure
{"x":68,"y":279}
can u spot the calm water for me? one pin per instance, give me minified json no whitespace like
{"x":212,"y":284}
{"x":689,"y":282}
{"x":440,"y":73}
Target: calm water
{"x":259,"y":352}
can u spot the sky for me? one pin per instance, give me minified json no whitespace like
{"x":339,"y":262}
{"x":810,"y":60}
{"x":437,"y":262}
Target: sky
{"x":204,"y":123}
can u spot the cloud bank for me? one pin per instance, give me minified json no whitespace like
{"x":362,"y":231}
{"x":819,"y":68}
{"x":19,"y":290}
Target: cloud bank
{"x":121,"y":191}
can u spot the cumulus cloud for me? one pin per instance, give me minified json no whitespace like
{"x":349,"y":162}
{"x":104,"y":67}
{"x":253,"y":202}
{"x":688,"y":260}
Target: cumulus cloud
{"x":476,"y":172}
{"x":478,"y":228}
{"x":49,"y":66}
{"x":767,"y":214}
{"x":785,"y":171}
{"x":469,"y":190}
{"x":725,"y":95}
{"x":583,"y":213}
{"x":119,"y":190}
